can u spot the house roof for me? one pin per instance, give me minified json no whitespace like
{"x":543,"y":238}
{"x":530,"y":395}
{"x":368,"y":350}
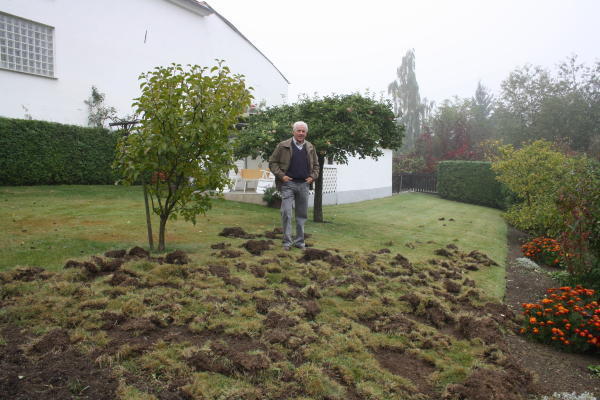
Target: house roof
{"x":202,"y":8}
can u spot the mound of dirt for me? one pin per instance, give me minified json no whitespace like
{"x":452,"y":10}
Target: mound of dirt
{"x":324,"y":255}
{"x":124,"y":278}
{"x":219,"y":270}
{"x":510,"y":383}
{"x":275,"y":234}
{"x":408,"y":366}
{"x":312,"y":309}
{"x":258,"y":270}
{"x":27,"y":274}
{"x":257,"y":247}
{"x":236,"y":232}
{"x":227,"y":359}
{"x":452,"y":287}
{"x":112,"y":319}
{"x":484,"y":328}
{"x":115,"y":253}
{"x":401,"y":260}
{"x":229,"y":253}
{"x":108,"y":265}
{"x":139,"y":252}
{"x":443,"y":252}
{"x":55,"y":341}
{"x":482,"y":258}
{"x":276,"y":320}
{"x":178,"y":257}
{"x":436,"y":315}
{"x":397,"y":323}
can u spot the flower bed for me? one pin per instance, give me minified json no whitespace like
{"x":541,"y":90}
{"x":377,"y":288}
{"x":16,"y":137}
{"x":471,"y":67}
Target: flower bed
{"x":544,"y":251}
{"x":568,"y":317}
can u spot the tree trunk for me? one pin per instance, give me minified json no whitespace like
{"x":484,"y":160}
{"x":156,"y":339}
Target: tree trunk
{"x":161,"y":232}
{"x":148,"y":220}
{"x":318,"y":206}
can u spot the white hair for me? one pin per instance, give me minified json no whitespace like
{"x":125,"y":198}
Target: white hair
{"x":298,"y":123}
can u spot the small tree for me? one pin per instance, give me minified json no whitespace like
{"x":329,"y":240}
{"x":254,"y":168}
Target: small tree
{"x":181,"y":144}
{"x":98,"y":112}
{"x":339,"y":126}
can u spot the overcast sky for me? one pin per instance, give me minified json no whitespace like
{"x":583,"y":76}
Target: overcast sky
{"x":343,"y":46}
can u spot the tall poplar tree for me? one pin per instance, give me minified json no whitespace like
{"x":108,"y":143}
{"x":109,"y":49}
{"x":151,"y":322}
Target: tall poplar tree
{"x":406,"y":99}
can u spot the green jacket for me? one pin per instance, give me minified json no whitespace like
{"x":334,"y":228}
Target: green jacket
{"x":279,"y":161}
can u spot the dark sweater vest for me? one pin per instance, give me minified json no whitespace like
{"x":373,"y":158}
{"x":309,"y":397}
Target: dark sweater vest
{"x":298,"y":169}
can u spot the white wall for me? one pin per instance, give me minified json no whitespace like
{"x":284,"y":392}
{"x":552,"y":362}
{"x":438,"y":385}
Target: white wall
{"x":364,"y":174}
{"x":101,"y":43}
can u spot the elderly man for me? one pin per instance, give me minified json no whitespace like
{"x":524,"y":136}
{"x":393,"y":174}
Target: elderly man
{"x":295,"y":165}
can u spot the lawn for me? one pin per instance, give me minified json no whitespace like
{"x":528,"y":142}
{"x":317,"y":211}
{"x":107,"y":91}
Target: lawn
{"x":370,"y":312}
{"x":46,"y":225}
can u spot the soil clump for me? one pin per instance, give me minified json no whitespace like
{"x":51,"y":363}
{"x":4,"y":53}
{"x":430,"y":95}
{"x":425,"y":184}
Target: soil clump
{"x":257,"y":247}
{"x":236,"y":232}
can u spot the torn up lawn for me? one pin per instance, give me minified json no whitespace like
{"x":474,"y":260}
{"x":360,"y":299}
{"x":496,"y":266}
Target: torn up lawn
{"x":256,"y":323}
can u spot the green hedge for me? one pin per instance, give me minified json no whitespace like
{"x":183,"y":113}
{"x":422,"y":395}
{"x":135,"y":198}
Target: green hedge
{"x":48,"y":153}
{"x":471,"y":182}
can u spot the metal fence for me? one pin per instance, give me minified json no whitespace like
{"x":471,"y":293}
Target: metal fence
{"x":414,"y":183}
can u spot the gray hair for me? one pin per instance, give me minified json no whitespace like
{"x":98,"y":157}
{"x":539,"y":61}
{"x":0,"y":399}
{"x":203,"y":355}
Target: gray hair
{"x":298,"y":123}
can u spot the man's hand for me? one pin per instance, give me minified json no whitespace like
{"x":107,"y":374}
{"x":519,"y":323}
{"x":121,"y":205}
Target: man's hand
{"x":286,"y":178}
{"x":309,"y":180}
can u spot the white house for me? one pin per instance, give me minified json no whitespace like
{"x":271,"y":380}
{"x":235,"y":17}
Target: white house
{"x":53,"y":52}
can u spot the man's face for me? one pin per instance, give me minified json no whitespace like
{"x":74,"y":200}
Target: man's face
{"x":300,"y":133}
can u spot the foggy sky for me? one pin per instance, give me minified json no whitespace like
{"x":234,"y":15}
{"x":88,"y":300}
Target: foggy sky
{"x":335,"y":46}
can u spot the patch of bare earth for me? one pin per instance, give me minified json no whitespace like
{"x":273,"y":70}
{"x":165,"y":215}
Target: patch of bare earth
{"x":51,"y":369}
{"x":408,"y":366}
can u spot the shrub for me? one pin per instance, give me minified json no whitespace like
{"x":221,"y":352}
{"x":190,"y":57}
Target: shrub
{"x":544,"y":251}
{"x":534,"y":173}
{"x":408,"y":164}
{"x":48,"y":153}
{"x":568,"y":317}
{"x":470,"y":182}
{"x":271,"y":196}
{"x":579,"y":205}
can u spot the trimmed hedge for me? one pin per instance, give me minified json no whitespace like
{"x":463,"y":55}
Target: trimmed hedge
{"x":48,"y":153}
{"x":471,"y":182}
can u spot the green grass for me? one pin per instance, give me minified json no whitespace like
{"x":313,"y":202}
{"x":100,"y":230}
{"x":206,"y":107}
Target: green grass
{"x":47,"y":225}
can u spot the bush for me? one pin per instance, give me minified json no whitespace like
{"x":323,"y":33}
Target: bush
{"x":534,"y":173}
{"x":579,"y":205}
{"x":568,"y":318}
{"x":272,"y":196}
{"x":471,"y":182}
{"x":48,"y":153}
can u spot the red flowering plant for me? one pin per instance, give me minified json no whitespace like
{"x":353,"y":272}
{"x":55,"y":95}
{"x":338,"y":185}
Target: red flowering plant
{"x":568,"y":317}
{"x":544,"y":251}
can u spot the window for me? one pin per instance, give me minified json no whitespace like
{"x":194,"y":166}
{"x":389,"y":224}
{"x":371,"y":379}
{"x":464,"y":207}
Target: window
{"x":26,"y":46}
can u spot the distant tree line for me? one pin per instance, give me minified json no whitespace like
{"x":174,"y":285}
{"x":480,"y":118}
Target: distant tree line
{"x":561,"y":106}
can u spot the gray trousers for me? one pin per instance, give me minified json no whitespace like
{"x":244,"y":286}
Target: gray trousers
{"x":294,"y":193}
